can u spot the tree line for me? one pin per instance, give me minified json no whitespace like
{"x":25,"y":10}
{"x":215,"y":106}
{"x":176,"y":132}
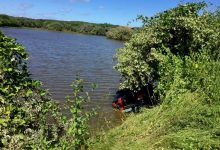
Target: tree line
{"x":104,"y":29}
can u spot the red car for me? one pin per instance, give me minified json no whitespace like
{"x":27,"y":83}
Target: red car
{"x":129,"y":99}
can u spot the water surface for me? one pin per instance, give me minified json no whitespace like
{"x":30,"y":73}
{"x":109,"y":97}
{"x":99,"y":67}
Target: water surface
{"x":56,"y":58}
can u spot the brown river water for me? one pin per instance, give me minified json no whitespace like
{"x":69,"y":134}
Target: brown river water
{"x":56,"y":57}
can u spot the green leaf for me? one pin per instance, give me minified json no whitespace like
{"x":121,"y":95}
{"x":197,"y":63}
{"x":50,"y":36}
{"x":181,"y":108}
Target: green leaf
{"x":29,"y":93}
{"x":10,"y":69}
{"x":43,"y":93}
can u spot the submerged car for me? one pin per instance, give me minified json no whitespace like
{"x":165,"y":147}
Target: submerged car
{"x":123,"y":98}
{"x":128,"y":100}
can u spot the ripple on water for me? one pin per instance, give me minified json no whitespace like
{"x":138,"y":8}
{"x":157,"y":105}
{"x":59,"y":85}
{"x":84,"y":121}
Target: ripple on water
{"x":56,"y":57}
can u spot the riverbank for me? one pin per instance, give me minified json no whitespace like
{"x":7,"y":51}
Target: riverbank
{"x":188,"y":123}
{"x":43,"y":29}
{"x":105,"y":29}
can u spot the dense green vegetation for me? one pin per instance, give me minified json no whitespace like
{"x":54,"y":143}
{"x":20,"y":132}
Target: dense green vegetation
{"x":120,"y":33}
{"x":105,"y":29}
{"x":56,"y":25}
{"x":179,"y":51}
{"x":30,"y":119}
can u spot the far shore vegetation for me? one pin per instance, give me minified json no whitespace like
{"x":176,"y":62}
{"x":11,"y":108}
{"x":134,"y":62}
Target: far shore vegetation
{"x":104,"y":29}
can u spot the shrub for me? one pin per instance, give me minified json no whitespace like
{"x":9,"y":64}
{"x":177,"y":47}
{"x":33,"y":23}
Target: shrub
{"x":120,"y":33}
{"x":24,"y":103}
{"x":183,"y":30}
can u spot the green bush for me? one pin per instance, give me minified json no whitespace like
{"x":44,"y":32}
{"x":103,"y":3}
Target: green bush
{"x":23,"y":101}
{"x":182,"y":30}
{"x":120,"y":33}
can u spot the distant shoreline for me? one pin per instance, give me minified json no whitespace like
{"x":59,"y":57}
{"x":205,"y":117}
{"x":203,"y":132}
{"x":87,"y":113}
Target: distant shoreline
{"x":78,"y":27}
{"x":51,"y":30}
